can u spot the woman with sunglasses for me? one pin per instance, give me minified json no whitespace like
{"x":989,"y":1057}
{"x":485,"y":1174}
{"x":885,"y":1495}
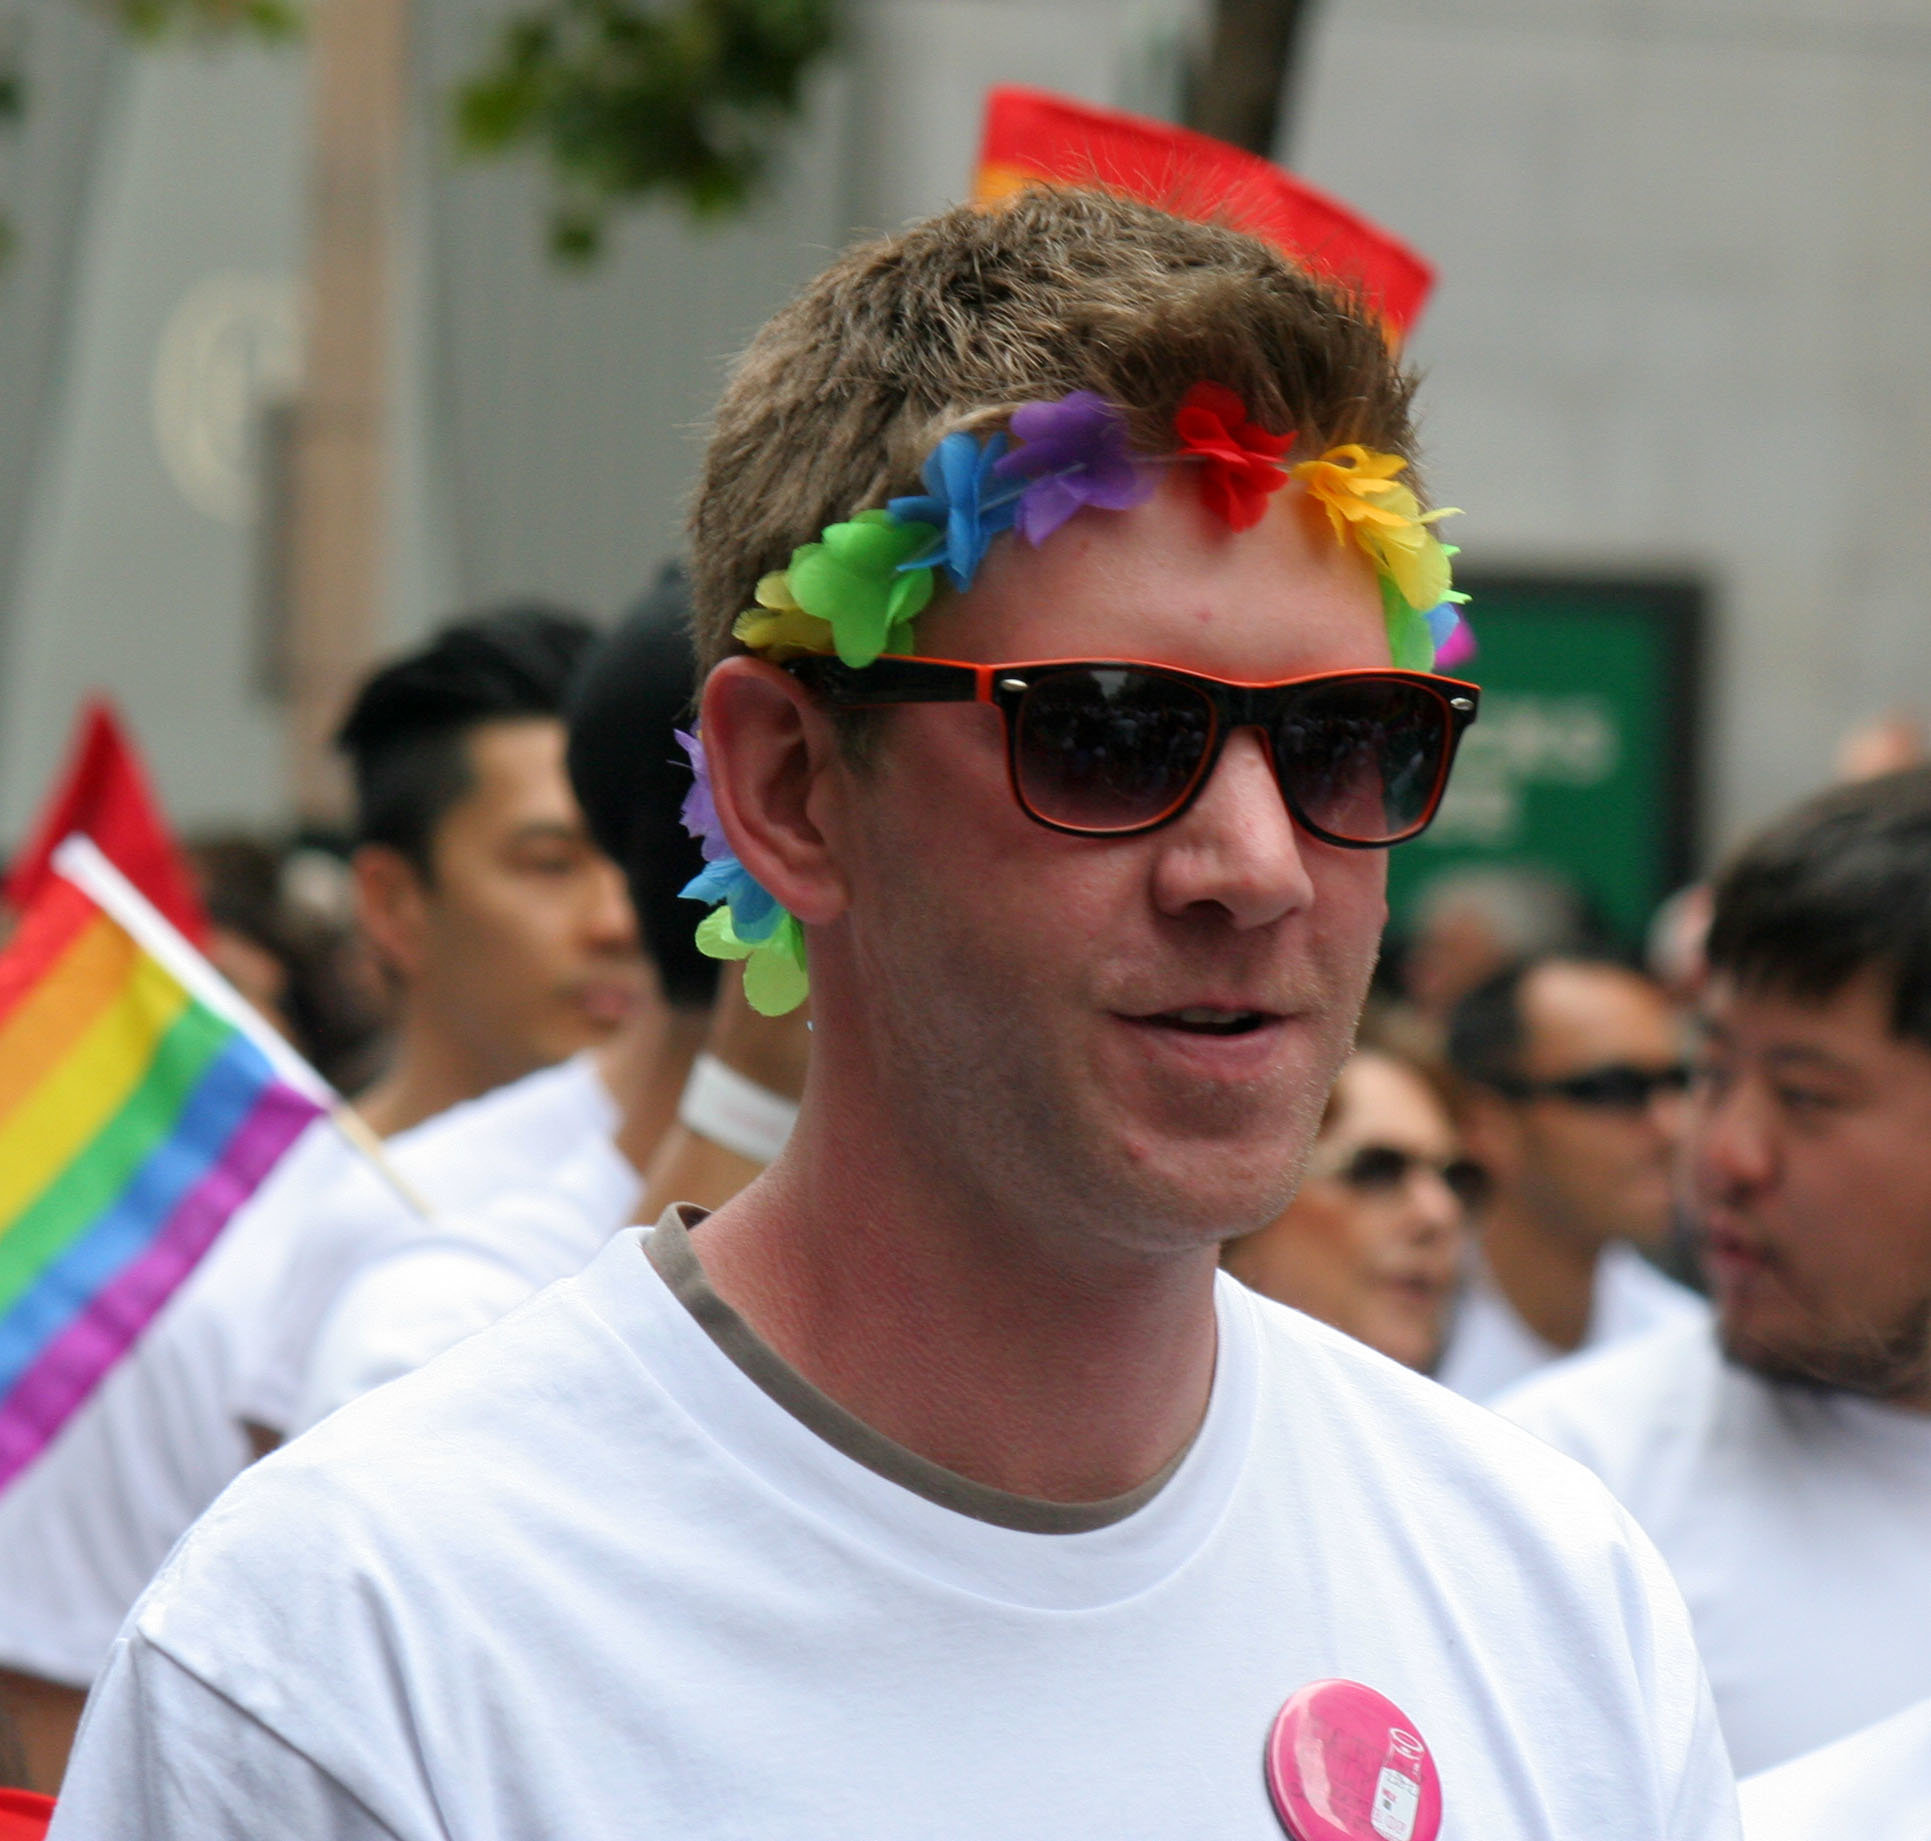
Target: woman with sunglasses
{"x":1373,"y":1242}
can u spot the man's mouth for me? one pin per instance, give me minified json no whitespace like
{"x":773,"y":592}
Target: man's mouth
{"x":606,"y":1002}
{"x":1206,"y":1020}
{"x":1725,"y":1251}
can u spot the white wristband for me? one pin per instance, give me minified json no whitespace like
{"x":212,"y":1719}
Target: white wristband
{"x":720,"y":1104}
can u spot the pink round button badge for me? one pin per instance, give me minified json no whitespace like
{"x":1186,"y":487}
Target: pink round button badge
{"x":1346,"y":1764}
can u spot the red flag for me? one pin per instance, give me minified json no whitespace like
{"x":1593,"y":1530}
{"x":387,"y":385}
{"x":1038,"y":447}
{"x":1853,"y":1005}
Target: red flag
{"x":104,"y":794}
{"x":1032,"y":135}
{"x":23,"y":1815}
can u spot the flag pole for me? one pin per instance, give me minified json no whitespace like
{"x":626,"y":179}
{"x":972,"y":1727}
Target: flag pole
{"x":80,"y":861}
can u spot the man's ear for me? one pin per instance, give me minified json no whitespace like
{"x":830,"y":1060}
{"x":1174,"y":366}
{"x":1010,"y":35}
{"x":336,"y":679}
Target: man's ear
{"x":772,"y":753}
{"x":393,"y":907}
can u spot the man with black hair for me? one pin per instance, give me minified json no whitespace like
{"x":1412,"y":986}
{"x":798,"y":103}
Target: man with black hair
{"x":1574,"y":1072}
{"x":422,"y":1290}
{"x":502,"y":926}
{"x":1781,"y":1458}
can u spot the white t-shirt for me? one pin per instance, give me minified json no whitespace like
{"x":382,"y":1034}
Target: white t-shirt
{"x":84,"y":1527}
{"x":1797,"y":1522}
{"x":408,"y":1306}
{"x":586,"y":1576}
{"x":1490,"y":1348}
{"x":1873,"y":1786}
{"x":513,"y":1138}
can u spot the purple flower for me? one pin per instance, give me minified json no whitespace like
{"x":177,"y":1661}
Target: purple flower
{"x":755,"y":914}
{"x":700,"y":809}
{"x":1074,"y":452}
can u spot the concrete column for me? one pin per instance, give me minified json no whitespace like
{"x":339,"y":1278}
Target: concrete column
{"x":340,"y":471}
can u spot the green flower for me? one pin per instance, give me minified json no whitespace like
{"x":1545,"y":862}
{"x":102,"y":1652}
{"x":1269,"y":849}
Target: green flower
{"x":774,"y":968}
{"x":852,"y":580}
{"x":1411,"y":641}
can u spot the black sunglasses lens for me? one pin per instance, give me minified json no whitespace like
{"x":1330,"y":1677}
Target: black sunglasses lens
{"x":1376,"y":1168}
{"x":1625,"y":1089}
{"x":1380,"y":1169}
{"x":1361,"y":759}
{"x":1108,"y":748}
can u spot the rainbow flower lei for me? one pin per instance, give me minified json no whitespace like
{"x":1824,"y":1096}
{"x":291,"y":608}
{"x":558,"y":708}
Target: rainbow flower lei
{"x":858,"y":589}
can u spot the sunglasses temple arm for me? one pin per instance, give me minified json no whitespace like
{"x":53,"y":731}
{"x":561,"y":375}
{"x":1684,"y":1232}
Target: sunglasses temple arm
{"x":889,"y":680}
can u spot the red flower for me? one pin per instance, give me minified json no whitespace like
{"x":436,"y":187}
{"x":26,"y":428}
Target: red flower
{"x":1241,"y":460}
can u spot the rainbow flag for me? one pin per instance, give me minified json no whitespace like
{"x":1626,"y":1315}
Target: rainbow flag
{"x":141,"y":1103}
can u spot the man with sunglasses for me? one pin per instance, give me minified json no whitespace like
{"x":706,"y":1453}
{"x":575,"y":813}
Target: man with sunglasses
{"x":938,"y":1485}
{"x":1575,"y":1073}
{"x":1780,"y":1457}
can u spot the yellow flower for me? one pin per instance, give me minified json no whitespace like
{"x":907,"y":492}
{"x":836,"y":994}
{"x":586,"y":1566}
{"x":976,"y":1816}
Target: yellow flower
{"x":778,"y":628}
{"x":1412,"y":557}
{"x":1348,"y":480}
{"x":1357,"y":488}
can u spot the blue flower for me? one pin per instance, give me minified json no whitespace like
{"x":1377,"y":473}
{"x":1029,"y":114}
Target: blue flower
{"x":755,"y":913}
{"x":958,"y":476}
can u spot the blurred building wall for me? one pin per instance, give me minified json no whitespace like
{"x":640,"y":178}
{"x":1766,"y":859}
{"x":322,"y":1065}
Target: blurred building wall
{"x":1684,"y":319}
{"x":132,"y":570}
{"x":1685,"y":250}
{"x":47,"y":161}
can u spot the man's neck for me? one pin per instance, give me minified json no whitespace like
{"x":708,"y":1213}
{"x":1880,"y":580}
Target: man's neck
{"x":960,"y":1336}
{"x":426,"y":1075}
{"x":1547,"y":1278}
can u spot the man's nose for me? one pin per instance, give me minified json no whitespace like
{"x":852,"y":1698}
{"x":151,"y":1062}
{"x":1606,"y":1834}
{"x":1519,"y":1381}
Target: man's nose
{"x":1235,"y":847}
{"x":609,"y":919}
{"x":1436,"y":1212}
{"x":1730,"y":1141}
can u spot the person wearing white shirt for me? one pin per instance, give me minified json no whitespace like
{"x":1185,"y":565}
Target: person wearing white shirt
{"x":509,"y":948}
{"x":1375,"y":1237}
{"x":1574,"y":1072}
{"x":500,"y":1144}
{"x":420,"y":1287}
{"x":500,"y":927}
{"x":939,"y":1483}
{"x":1781,"y":1457}
{"x":700,"y":1120}
{"x":84,"y":1527}
{"x":1875,"y":1785}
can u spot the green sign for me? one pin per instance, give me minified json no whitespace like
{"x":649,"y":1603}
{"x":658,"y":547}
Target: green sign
{"x":1582,"y":762}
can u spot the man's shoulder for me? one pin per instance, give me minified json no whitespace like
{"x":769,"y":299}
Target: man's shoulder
{"x":1874,"y":1784}
{"x":1633,"y":1296}
{"x":1431,"y":1440}
{"x":1609,"y":1407}
{"x":534,"y":1119}
{"x":434,"y":1470}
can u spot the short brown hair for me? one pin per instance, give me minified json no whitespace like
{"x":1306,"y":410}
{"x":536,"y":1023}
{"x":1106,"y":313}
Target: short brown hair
{"x":958,"y":320}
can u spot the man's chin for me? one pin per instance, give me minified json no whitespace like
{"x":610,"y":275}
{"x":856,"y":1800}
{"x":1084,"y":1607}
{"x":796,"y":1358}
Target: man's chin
{"x":1210,"y":1192}
{"x":1890,"y":1365}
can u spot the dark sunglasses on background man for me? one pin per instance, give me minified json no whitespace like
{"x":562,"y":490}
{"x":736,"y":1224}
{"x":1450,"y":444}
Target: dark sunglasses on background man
{"x":1617,"y":1087}
{"x":1382,"y":1169}
{"x":1108,"y":748}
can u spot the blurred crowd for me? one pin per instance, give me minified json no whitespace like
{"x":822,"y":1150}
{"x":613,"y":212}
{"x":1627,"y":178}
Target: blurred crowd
{"x":1517,"y":1167}
{"x":1500,"y":1178}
